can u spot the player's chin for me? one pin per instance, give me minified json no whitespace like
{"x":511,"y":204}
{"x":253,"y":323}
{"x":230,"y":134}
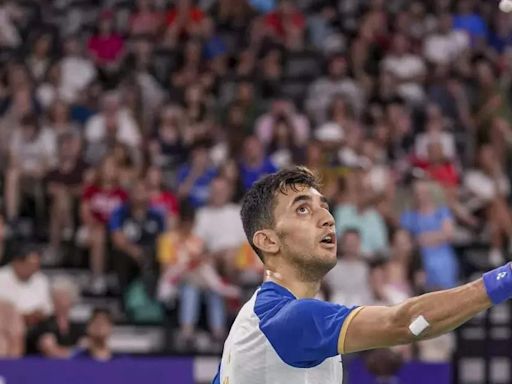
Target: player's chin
{"x":328,"y":250}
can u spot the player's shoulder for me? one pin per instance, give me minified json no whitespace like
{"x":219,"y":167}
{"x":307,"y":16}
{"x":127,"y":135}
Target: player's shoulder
{"x":270,"y":298}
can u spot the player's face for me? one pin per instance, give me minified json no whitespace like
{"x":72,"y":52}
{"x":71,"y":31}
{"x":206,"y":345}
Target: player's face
{"x":305,"y":228}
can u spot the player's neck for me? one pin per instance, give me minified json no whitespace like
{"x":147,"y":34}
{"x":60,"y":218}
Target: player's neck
{"x":300,"y":288}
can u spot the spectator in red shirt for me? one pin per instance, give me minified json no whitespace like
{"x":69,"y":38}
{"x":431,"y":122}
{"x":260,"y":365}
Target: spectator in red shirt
{"x":438,"y":167}
{"x":161,"y":198}
{"x":184,"y":19}
{"x":106,"y":46}
{"x":98,"y":202}
{"x":285,"y":21}
{"x":145,"y":20}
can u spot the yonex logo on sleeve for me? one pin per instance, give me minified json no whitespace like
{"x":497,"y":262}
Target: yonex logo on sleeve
{"x":501,"y":275}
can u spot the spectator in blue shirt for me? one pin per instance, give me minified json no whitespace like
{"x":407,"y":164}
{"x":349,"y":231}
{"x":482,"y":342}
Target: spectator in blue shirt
{"x":433,"y":228}
{"x":195,"y":177}
{"x":255,"y":162}
{"x":135,"y":228}
{"x":471,"y":22}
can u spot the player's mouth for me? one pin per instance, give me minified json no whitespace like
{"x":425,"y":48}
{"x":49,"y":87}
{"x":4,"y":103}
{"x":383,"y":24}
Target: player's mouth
{"x":329,"y":240}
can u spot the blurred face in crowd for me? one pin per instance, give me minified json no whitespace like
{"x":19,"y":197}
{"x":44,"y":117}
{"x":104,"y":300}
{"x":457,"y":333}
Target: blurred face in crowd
{"x":72,"y":47}
{"x":351,"y":244}
{"x":301,"y":223}
{"x":337,"y":67}
{"x":221,"y":192}
{"x":435,"y":152}
{"x":253,"y":149}
{"x":108,"y":171}
{"x":245,"y":92}
{"x":111,"y":104}
{"x":29,"y":131}
{"x":62,"y":302}
{"x":487,"y":158}
{"x":200,"y":158}
{"x":400,"y":44}
{"x":106,"y":24}
{"x":485,"y":74}
{"x":446,"y":23}
{"x":100,"y":328}
{"x":422,"y":193}
{"x":139,"y":196}
{"x":69,"y":148}
{"x":154,"y":178}
{"x":42,"y":46}
{"x":286,"y":7}
{"x":27,"y":267}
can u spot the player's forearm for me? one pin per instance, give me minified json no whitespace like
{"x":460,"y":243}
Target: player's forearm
{"x":443,"y":311}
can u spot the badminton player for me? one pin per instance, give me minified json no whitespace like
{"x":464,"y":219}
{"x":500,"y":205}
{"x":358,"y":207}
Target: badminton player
{"x":283,"y":335}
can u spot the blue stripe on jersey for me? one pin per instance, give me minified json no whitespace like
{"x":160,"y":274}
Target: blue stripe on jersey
{"x":303,"y":332}
{"x":216,"y":379}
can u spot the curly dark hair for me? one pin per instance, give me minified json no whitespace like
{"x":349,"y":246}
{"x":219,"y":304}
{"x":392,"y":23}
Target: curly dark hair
{"x":259,"y":201}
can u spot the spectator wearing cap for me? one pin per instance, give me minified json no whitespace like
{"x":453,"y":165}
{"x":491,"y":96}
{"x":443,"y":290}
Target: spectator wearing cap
{"x":24,"y":285}
{"x":58,"y":335}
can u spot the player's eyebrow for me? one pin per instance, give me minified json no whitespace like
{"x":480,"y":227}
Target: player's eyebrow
{"x":301,"y":198}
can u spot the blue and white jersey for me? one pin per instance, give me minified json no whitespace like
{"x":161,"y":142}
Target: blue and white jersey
{"x":279,"y":339}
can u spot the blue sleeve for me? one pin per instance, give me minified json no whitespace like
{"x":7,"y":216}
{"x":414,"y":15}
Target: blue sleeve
{"x":304,"y":332}
{"x":182,"y":173}
{"x":161,"y":222}
{"x":445,"y":214}
{"x":116,"y":219}
{"x":406,"y":222}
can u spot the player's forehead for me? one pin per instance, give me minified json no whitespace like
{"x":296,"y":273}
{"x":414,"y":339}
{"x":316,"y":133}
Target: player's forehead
{"x":285,"y":199}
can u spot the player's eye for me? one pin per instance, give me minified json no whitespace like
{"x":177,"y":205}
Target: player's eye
{"x":302,"y":210}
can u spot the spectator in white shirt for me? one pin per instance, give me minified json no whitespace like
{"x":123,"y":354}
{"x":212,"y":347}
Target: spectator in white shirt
{"x":408,"y":68}
{"x":219,"y":224}
{"x":348,"y":282}
{"x":447,"y":44}
{"x":337,"y":82}
{"x":127,"y":132}
{"x":32,"y":152}
{"x":24,"y":285}
{"x":489,"y":189}
{"x":77,"y":71}
{"x":435,"y":133}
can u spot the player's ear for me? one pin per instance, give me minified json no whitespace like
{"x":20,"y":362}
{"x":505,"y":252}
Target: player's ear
{"x":266,"y":240}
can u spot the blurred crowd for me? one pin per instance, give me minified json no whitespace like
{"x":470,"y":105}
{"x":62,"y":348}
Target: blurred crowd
{"x":130,"y":130}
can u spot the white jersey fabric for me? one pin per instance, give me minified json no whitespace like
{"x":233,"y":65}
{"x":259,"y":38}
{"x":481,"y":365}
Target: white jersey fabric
{"x":279,"y":339}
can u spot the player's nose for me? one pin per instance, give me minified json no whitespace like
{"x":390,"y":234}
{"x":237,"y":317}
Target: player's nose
{"x":327,"y":220}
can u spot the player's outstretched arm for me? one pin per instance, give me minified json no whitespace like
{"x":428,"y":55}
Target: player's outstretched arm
{"x":425,"y":316}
